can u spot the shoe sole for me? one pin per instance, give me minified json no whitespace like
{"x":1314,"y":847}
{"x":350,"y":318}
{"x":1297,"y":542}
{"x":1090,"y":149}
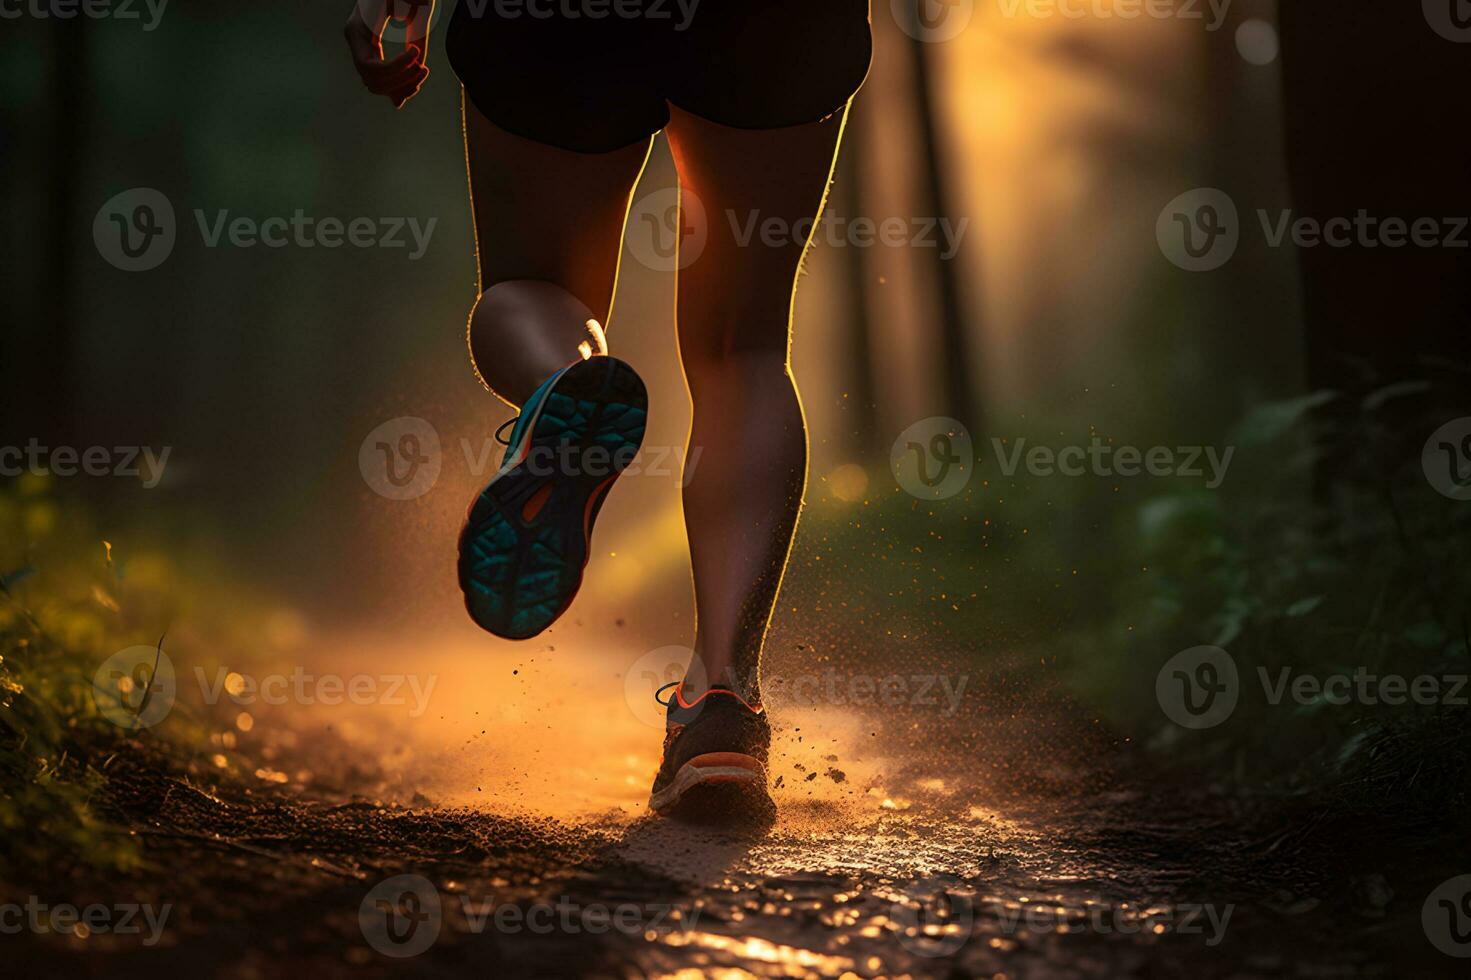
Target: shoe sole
{"x":717,"y":786}
{"x":527,"y":536}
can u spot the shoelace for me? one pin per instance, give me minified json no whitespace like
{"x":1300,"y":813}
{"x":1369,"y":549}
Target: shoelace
{"x":508,"y":423}
{"x":675,"y":684}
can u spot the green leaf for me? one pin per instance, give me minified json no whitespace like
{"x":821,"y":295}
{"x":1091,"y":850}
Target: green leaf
{"x":1266,"y":423}
{"x":1304,"y":606}
{"x":1402,"y":389}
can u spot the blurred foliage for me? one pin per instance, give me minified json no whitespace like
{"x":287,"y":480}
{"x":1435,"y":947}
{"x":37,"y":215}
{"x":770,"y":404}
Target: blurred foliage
{"x":69,"y":599}
{"x":1325,"y":551}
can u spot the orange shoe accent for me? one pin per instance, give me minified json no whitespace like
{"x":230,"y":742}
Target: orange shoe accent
{"x":592,"y":502}
{"x":535,"y":503}
{"x":716,"y":759}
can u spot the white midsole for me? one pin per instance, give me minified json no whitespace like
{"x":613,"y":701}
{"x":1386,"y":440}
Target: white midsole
{"x":690,"y":776}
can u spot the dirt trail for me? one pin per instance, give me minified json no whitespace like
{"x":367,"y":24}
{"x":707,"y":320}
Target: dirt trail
{"x":961,"y":838}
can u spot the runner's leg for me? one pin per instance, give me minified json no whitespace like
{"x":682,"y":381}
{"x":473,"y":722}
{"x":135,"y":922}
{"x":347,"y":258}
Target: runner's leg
{"x":744,"y":488}
{"x":548,"y":226}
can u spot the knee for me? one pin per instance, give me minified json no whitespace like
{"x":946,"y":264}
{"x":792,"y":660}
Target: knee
{"x":756,"y":336}
{"x":523,"y":330}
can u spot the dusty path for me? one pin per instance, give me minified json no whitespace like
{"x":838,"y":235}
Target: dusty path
{"x":912,"y":839}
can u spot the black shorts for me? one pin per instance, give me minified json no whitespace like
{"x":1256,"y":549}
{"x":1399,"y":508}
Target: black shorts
{"x":596,"y":75}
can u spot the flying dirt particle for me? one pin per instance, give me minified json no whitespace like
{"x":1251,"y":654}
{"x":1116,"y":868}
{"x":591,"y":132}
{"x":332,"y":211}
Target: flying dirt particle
{"x":618,"y":623}
{"x":836,"y":775}
{"x":810,"y":776}
{"x":779,"y":781}
{"x":515,"y":672}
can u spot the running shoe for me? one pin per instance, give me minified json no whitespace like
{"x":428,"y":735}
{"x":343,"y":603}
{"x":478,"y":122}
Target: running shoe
{"x":527,"y":536}
{"x":715,"y":751}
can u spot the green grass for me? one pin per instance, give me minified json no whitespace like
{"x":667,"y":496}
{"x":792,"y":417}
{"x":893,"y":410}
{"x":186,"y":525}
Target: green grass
{"x":1103,"y":580}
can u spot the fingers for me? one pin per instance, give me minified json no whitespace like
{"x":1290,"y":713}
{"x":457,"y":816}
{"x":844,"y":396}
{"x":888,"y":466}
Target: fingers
{"x":399,"y":78}
{"x":390,"y":76}
{"x":409,"y":88}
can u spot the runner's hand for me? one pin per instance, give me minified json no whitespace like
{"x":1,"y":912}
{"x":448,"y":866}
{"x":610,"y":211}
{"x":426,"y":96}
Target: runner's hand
{"x":398,"y":79}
